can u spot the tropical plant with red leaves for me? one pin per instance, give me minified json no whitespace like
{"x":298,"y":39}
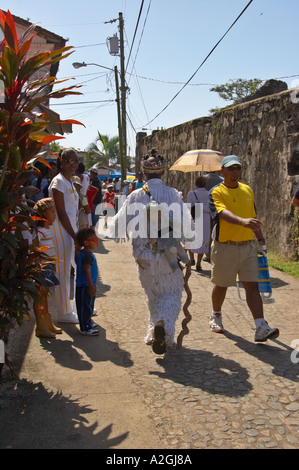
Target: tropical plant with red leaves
{"x":25,"y":128}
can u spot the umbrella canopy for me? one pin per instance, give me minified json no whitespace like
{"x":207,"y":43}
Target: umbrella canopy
{"x":198,"y":160}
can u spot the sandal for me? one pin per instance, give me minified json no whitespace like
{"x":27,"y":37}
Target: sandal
{"x":159,"y":344}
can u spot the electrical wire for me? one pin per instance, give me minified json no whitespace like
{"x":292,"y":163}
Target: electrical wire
{"x":90,"y":45}
{"x":171,"y":83}
{"x":176,"y":95}
{"x":140,"y":11}
{"x":139,"y":91}
{"x":92,"y":79}
{"x":133,"y":68}
{"x":84,"y":102}
{"x":141,"y":36}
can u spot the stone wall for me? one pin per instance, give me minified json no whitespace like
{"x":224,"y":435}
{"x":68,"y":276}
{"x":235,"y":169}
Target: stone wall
{"x":264,"y":133}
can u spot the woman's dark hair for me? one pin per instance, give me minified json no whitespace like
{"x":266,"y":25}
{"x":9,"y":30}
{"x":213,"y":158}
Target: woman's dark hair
{"x":65,"y":154}
{"x":81,"y":167}
{"x":200,"y":182}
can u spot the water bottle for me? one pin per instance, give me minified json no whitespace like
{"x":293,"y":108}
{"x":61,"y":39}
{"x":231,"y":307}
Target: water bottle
{"x":264,"y":282}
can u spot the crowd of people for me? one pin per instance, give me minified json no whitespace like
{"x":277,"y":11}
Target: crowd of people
{"x":66,"y":200}
{"x":232,"y":245}
{"x":231,"y":239}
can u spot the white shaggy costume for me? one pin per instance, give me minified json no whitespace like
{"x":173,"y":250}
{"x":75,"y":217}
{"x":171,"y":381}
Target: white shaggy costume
{"x":162,"y":285}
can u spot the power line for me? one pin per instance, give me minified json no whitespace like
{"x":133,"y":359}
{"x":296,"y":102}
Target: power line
{"x":171,"y":83}
{"x":141,"y":34}
{"x":133,"y":68}
{"x":84,"y":102}
{"x":72,"y":24}
{"x":92,"y":79}
{"x":196,"y":84}
{"x":176,"y":95}
{"x":141,"y":7}
{"x":91,"y":45}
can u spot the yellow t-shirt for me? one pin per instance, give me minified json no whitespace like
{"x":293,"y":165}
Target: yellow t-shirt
{"x":240,"y":201}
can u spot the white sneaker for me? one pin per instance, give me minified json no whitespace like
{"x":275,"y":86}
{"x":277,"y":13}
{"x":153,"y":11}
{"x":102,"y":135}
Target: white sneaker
{"x":90,"y":332}
{"x":216,"y":323}
{"x":68,"y":318}
{"x":264,"y":332}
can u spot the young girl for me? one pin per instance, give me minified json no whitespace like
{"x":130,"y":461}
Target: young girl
{"x":86,"y":279}
{"x":47,"y":212}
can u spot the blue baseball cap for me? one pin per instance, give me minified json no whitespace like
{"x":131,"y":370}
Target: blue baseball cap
{"x":230,"y":160}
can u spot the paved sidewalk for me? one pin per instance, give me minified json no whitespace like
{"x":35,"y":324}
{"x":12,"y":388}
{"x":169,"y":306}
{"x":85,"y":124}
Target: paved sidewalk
{"x":113,"y":392}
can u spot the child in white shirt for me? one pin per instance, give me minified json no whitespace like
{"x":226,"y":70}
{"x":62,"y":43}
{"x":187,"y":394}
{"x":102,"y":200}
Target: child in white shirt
{"x":47,"y":213}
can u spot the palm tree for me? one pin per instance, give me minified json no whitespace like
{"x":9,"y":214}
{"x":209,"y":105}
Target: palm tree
{"x":109,"y":155}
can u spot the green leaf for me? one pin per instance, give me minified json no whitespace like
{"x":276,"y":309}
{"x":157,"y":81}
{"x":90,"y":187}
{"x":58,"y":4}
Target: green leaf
{"x":26,"y":33}
{"x":22,"y":135}
{"x":103,"y":140}
{"x":31,"y":65}
{"x":10,"y":65}
{"x":24,"y":48}
{"x":10,"y":239}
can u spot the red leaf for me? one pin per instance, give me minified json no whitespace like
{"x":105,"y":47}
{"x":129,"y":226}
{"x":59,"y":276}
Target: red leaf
{"x":45,"y":139}
{"x":38,"y":159}
{"x":36,"y":218}
{"x":2,"y":20}
{"x":71,"y":121}
{"x":10,"y":32}
{"x":42,"y":249}
{"x":24,"y":48}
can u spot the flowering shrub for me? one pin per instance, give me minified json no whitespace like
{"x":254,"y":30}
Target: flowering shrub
{"x":25,"y":127}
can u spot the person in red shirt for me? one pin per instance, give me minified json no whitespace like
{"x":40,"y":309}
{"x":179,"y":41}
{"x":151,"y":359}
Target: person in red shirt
{"x":91,"y":193}
{"x":109,"y":201}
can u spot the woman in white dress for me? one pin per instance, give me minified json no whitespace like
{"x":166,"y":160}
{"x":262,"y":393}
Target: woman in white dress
{"x":66,"y":199}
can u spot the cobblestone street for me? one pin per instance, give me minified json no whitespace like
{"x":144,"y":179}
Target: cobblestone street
{"x":217,"y":391}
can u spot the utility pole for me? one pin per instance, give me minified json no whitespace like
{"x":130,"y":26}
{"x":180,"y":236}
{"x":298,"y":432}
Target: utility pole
{"x":121,"y":102}
{"x":122,"y":162}
{"x":123,"y":92}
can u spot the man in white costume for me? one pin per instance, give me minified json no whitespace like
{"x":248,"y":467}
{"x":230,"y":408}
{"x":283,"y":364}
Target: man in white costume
{"x":162,"y":284}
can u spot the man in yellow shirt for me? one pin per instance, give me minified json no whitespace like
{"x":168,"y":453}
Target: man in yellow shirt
{"x":234,"y":250}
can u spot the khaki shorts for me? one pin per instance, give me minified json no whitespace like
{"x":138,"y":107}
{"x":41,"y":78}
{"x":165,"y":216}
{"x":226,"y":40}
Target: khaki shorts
{"x":231,"y":263}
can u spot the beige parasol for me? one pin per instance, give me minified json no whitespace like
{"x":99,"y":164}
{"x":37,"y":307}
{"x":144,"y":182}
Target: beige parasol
{"x":198,"y":160}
